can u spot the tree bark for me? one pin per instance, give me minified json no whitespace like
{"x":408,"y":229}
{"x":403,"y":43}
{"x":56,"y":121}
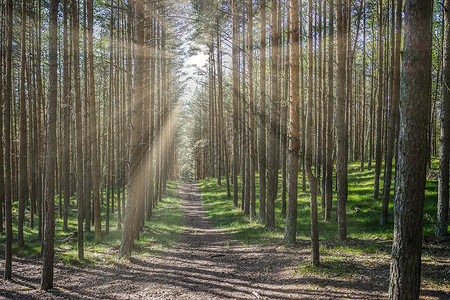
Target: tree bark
{"x":415,"y":95}
{"x":132,"y":221}
{"x":79,"y":128}
{"x":23,"y":170}
{"x":235,"y":49}
{"x":262,"y":118}
{"x":48,"y":251}
{"x":330,"y":100}
{"x":7,"y":136}
{"x":95,"y":171}
{"x":444,"y":146}
{"x":378,"y":150}
{"x":294,"y":137}
{"x":272,"y":157}
{"x":313,"y":180}
{"x":341,"y":126}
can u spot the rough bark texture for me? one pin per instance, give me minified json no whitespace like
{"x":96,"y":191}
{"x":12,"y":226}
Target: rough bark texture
{"x":235,"y":49}
{"x":330,"y":139}
{"x":93,"y":126}
{"x":444,"y":150}
{"x":272,"y":157}
{"x":415,"y":95}
{"x":48,"y":250}
{"x":251,"y":125}
{"x":78,"y":128}
{"x":23,"y":173}
{"x":262,"y":118}
{"x":341,"y":126}
{"x":7,"y":135}
{"x":378,"y":150}
{"x":294,"y":139}
{"x":132,"y":221}
{"x":66,"y":124}
{"x":313,"y":181}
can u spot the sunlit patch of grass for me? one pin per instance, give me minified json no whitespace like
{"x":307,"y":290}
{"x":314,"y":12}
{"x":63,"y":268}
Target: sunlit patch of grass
{"x":162,"y":231}
{"x":364,"y":224}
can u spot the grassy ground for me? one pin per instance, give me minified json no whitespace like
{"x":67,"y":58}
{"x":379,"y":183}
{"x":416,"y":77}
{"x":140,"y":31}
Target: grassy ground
{"x":161,"y":232}
{"x":369,"y":244}
{"x":361,"y":225}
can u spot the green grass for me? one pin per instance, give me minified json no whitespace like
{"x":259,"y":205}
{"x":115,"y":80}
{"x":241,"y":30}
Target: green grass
{"x":162,"y":231}
{"x":362,"y":225}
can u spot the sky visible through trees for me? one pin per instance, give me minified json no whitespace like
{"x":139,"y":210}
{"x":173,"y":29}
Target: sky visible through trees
{"x":324,"y":121}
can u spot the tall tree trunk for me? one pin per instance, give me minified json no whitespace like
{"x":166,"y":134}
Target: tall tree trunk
{"x":23,"y":170}
{"x":330,"y":139}
{"x":262,"y":118}
{"x":415,"y":95}
{"x":93,"y":126}
{"x":341,"y":126}
{"x":363,"y":115}
{"x":313,"y":180}
{"x":378,"y":150}
{"x":7,"y":136}
{"x":294,"y":138}
{"x":235,"y":49}
{"x":48,"y":250}
{"x":79,"y":128}
{"x":393,"y":112}
{"x":133,"y":222}
{"x":444,"y":146}
{"x":272,"y":157}
{"x":2,"y":169}
{"x":66,"y":123}
{"x":251,"y":126}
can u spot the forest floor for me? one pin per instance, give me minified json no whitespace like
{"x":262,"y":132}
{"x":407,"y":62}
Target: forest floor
{"x":207,"y":263}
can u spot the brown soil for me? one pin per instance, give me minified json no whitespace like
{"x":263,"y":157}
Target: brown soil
{"x":208,"y":264}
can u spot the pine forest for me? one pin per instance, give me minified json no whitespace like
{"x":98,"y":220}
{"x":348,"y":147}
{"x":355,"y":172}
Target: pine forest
{"x":224,"y":149}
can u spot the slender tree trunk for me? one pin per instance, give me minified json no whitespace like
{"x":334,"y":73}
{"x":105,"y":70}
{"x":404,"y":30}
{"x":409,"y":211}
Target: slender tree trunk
{"x":2,"y":100}
{"x":363,"y":115}
{"x":235,"y":49}
{"x":23,"y":158}
{"x":378,"y":150}
{"x":93,"y":126}
{"x":313,"y":180}
{"x":330,"y":140}
{"x":79,"y":128}
{"x":341,"y":126}
{"x":272,"y":157}
{"x":251,"y":126}
{"x":7,"y":136}
{"x":262,"y":118}
{"x":48,"y":251}
{"x":393,"y":112}
{"x":294,"y":138}
{"x":444,"y":146}
{"x":66,"y":123}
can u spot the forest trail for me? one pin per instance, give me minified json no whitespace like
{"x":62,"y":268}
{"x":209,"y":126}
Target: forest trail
{"x":205,"y":264}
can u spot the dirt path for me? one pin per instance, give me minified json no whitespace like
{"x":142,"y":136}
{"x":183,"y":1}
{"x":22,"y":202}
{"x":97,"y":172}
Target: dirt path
{"x":206,"y":264}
